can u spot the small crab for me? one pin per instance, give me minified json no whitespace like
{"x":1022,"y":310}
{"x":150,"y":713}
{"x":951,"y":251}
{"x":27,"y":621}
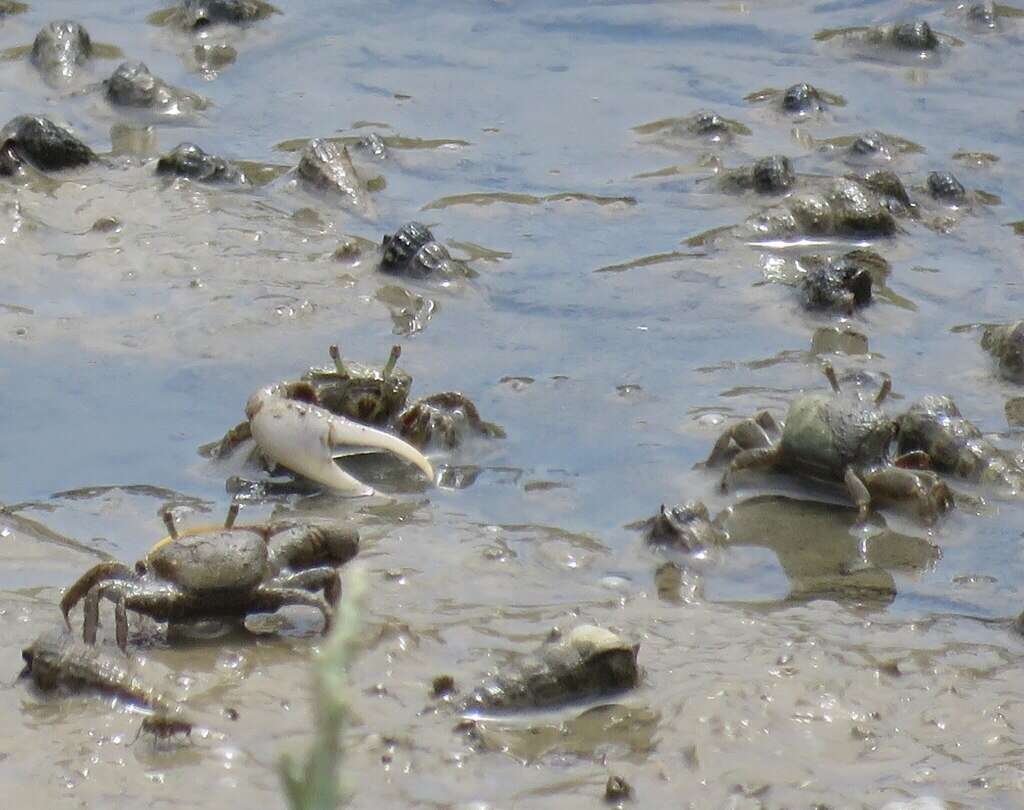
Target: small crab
{"x":303,"y":425}
{"x":57,"y":659}
{"x":445,"y":420}
{"x":828,"y":438}
{"x":688,"y":528}
{"x":934,"y":425}
{"x":219,"y":572}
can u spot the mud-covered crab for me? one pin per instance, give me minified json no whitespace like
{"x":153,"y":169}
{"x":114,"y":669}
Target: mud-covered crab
{"x":688,"y":528}
{"x":836,"y":439}
{"x":843,"y":208}
{"x":60,"y":50}
{"x":701,"y":127}
{"x":954,"y":445}
{"x":219,"y":572}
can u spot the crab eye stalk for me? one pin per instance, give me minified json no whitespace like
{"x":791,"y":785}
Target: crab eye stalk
{"x":389,"y":366}
{"x":830,"y":375}
{"x":232,"y":515}
{"x":168,"y":518}
{"x":339,"y":364}
{"x":884,"y":391}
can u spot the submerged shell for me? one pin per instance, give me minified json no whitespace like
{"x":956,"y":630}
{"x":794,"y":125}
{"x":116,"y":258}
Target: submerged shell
{"x":916,"y":35}
{"x":802,"y":98}
{"x":59,"y":49}
{"x":44,"y":144}
{"x":188,"y":160}
{"x":326,"y":167}
{"x":201,"y":13}
{"x":587,"y":663}
{"x":943,"y":186}
{"x":773,"y":174}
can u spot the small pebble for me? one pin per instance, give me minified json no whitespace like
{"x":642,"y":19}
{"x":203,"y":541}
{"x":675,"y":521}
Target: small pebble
{"x":443,"y":686}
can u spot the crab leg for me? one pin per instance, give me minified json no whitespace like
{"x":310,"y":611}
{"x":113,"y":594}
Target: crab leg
{"x":301,"y":437}
{"x":109,"y":570}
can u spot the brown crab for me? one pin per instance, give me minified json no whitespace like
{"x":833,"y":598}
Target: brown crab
{"x":302,"y":424}
{"x":219,"y":572}
{"x":836,"y":439}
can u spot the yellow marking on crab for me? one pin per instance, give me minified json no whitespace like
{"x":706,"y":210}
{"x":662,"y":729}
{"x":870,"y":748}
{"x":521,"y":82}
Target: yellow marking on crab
{"x":203,"y":529}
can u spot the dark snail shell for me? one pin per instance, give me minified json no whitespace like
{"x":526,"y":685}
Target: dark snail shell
{"x":401,"y":247}
{"x":188,"y":160}
{"x":945,"y":187}
{"x":801,"y":98}
{"x":44,"y":144}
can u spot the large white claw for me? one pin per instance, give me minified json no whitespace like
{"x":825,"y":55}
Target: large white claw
{"x":303,"y":438}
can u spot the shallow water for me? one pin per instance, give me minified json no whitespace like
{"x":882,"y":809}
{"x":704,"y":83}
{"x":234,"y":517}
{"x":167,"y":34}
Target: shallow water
{"x":769,"y":679}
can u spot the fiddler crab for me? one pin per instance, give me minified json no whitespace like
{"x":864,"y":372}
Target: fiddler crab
{"x":219,"y":572}
{"x":304,"y":425}
{"x":350,"y":408}
{"x":846,"y":440}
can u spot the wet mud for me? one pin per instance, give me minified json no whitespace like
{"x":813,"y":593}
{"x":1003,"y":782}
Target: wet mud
{"x":806,"y":661}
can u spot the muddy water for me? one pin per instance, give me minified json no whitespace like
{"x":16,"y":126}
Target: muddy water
{"x":809,"y":664}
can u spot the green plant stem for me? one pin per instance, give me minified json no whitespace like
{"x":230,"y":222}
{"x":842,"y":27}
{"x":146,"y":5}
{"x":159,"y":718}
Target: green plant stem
{"x":317,"y":784}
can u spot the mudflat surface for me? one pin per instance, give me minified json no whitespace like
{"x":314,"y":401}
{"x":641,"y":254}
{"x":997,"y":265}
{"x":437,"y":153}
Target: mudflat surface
{"x":612,"y":353}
